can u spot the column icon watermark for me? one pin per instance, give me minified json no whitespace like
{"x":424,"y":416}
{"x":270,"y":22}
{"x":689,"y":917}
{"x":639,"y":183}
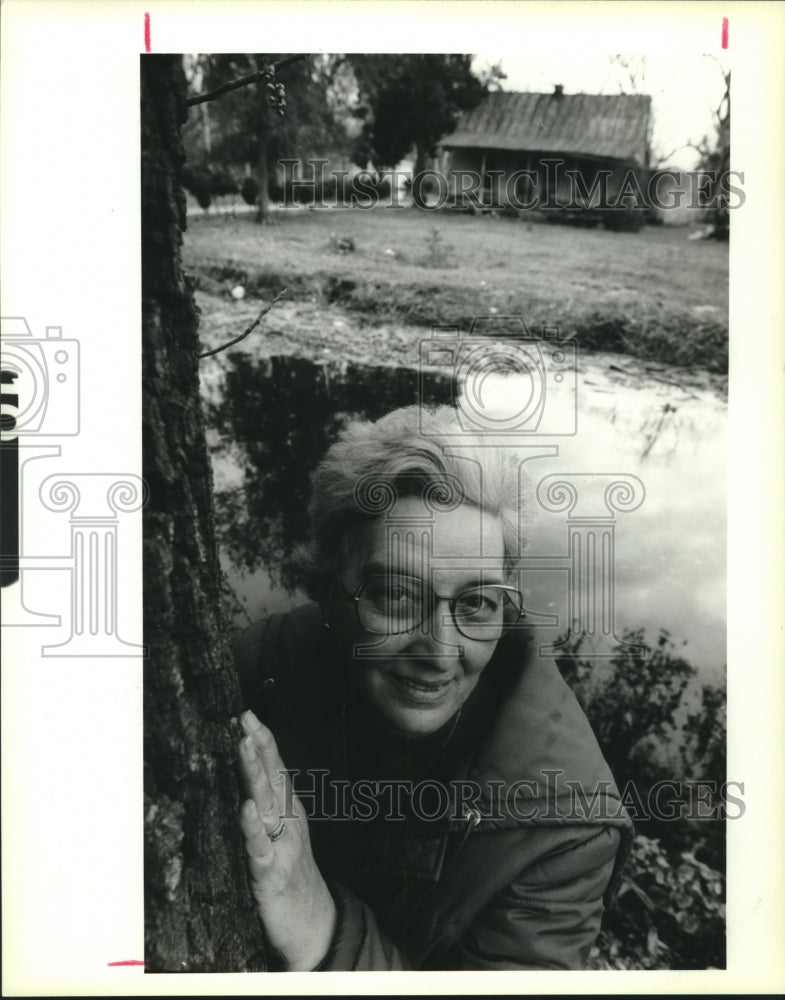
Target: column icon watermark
{"x":40,"y":381}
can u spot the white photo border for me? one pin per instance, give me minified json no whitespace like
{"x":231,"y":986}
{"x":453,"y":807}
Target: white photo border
{"x":71,"y":733}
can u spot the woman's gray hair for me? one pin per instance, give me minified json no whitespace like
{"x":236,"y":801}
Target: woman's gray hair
{"x":414,"y":451}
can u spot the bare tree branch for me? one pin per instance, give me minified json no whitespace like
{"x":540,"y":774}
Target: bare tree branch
{"x":244,"y":81}
{"x":724,"y":70}
{"x":700,"y":149}
{"x":722,"y":112}
{"x":250,"y":329}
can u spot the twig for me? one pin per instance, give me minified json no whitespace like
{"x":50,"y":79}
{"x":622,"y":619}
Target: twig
{"x":244,"y":81}
{"x":251,"y":328}
{"x":668,"y":381}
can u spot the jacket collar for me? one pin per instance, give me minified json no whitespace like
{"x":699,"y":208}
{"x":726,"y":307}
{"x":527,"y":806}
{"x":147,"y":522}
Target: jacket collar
{"x":538,"y":761}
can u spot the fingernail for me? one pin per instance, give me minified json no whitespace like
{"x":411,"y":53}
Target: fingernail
{"x":248,"y":748}
{"x":250,"y":809}
{"x":250,"y":719}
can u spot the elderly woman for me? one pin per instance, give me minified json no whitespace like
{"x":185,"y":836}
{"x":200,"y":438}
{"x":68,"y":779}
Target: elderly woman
{"x":423,"y":789}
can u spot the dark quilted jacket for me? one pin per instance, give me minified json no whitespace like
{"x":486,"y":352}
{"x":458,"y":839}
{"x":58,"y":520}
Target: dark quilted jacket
{"x":490,"y":883}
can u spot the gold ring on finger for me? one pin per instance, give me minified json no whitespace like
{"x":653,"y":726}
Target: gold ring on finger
{"x":278,"y":831}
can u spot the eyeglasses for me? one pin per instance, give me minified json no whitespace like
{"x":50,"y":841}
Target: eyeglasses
{"x":387,"y":604}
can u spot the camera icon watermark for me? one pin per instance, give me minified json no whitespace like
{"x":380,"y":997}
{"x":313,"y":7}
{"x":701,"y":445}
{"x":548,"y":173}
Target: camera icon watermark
{"x":40,"y":381}
{"x":507,"y":383}
{"x":39,"y":399}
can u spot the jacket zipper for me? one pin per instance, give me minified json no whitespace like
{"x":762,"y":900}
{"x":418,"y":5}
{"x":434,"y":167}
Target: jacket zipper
{"x":471,"y":818}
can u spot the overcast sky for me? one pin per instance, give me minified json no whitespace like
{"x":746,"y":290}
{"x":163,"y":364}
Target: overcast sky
{"x":685,"y":90}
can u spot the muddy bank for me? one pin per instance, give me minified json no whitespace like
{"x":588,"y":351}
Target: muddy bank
{"x":694,"y":338}
{"x":331,"y":334}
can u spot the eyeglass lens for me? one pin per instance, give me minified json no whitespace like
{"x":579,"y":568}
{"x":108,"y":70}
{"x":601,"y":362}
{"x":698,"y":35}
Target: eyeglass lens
{"x":391,"y":604}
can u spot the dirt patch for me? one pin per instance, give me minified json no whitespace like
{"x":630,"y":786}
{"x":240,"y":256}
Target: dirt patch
{"x":331,"y":335}
{"x":653,"y":295}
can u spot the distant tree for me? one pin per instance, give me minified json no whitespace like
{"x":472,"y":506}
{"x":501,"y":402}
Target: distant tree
{"x":411,"y":101}
{"x":245,"y":126}
{"x":629,"y":73}
{"x":715,"y":157}
{"x":491,"y":76}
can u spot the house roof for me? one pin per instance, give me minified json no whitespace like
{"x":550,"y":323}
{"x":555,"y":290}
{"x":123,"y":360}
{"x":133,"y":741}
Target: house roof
{"x":613,"y":126}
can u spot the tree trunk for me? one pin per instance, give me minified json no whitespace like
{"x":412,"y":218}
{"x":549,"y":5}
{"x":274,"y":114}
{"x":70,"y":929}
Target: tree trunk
{"x":420,"y":158}
{"x":199,"y":915}
{"x":263,"y":177}
{"x":262,"y":151}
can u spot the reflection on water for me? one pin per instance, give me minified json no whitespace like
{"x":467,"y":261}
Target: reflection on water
{"x":669,"y":564}
{"x":277,"y":417}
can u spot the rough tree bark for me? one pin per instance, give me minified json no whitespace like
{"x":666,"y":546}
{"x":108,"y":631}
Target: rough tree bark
{"x":199,"y":915}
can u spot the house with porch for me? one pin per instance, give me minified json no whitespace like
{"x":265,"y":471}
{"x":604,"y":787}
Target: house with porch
{"x":556,"y":151}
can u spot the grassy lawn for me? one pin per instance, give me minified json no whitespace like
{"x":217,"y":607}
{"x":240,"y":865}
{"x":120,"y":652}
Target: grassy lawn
{"x":653,"y":294}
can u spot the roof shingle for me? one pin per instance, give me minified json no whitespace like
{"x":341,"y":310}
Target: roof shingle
{"x":605,"y":125}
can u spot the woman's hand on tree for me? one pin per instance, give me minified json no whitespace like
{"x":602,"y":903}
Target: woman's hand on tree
{"x":294,"y":902}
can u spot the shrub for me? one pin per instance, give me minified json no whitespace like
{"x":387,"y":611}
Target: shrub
{"x":250,"y":191}
{"x":304,"y":193}
{"x":197,"y":180}
{"x":438,"y":253}
{"x":205,"y":184}
{"x":631,"y":702}
{"x":669,"y":913}
{"x":623,"y":220}
{"x":222,"y":183}
{"x":670,"y":908}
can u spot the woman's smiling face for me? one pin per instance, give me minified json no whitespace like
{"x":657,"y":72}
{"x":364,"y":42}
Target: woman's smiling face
{"x":415,"y":681}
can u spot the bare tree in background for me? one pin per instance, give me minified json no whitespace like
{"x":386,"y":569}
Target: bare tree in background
{"x":715,"y":157}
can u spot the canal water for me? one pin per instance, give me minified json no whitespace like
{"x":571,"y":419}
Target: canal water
{"x":634,"y":461}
